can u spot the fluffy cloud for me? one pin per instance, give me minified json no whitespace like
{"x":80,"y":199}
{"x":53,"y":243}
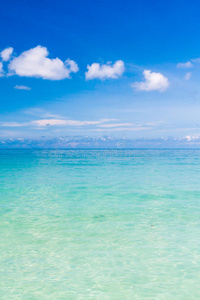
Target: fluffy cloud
{"x":1,"y":69}
{"x":6,"y":53}
{"x":153,"y":82}
{"x":105,"y":71}
{"x":22,"y":87}
{"x":35,"y":63}
{"x":185,"y":65}
{"x":73,"y":65}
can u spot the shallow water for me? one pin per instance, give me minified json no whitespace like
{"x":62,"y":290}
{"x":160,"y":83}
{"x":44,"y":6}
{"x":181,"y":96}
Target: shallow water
{"x":118,"y":224}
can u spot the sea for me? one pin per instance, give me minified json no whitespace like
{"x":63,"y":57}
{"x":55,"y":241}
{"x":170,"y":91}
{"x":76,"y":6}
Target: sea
{"x":100,"y":224}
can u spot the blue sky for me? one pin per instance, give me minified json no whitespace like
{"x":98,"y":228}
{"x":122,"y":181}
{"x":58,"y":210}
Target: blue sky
{"x":121,"y":68}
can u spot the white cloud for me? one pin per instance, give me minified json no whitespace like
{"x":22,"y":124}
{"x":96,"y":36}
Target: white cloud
{"x":1,"y":69}
{"x":185,"y":65}
{"x":116,"y":125}
{"x":124,"y":124}
{"x":188,"y":75}
{"x":35,"y":63}
{"x":128,"y":125}
{"x":51,"y":122}
{"x":54,"y":122}
{"x":73,"y":65}
{"x":97,"y":71}
{"x":191,"y":138}
{"x":6,"y":53}
{"x":189,"y":64}
{"x":121,"y":129}
{"x":22,"y":87}
{"x":153,"y":82}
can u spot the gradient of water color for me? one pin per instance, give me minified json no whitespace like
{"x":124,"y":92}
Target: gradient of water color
{"x":101,"y":224}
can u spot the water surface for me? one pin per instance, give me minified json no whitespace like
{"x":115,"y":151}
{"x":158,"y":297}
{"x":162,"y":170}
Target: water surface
{"x":103,"y":224}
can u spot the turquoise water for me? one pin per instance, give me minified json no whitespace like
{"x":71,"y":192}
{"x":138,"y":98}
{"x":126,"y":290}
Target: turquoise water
{"x":100,"y":224}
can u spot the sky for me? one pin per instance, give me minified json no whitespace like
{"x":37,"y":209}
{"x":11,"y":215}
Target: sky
{"x":129,"y":69}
